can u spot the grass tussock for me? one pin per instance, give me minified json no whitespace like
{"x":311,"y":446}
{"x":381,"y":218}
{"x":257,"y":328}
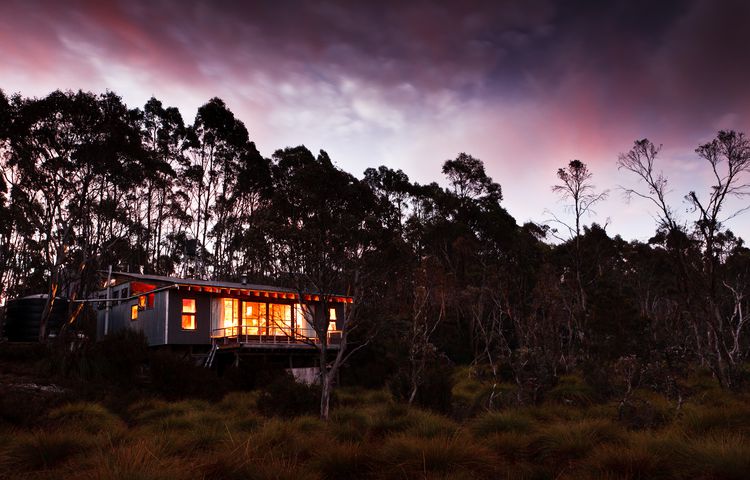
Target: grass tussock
{"x":572,"y":390}
{"x":141,"y":459}
{"x":734,"y":417}
{"x":634,"y":462}
{"x":571,"y":441}
{"x":407,"y":456}
{"x":89,"y":417}
{"x":725,"y":457}
{"x":501,"y":422}
{"x":371,"y":436}
{"x":342,"y":462}
{"x":44,"y":450}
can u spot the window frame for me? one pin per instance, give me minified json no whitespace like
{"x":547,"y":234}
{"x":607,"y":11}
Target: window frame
{"x":191,"y":314}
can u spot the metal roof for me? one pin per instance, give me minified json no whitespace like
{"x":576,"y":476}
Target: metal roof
{"x":208,"y":283}
{"x":202,"y":283}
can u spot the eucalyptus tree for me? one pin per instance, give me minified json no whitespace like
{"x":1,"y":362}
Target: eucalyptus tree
{"x":325,"y":230}
{"x":242,"y":245}
{"x":7,"y":226}
{"x":712,"y":299}
{"x":576,"y":188}
{"x":393,"y":189}
{"x":164,"y":139}
{"x":216,"y":143}
{"x":72,"y":151}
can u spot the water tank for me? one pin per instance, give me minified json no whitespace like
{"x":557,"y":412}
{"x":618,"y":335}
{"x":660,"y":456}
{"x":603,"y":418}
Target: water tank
{"x":23,"y":315}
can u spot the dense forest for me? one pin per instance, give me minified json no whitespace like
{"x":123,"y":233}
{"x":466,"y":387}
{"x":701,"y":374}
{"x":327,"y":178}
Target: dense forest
{"x":441,"y":275}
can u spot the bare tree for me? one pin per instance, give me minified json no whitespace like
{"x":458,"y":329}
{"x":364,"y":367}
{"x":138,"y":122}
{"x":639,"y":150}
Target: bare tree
{"x":717,"y":327}
{"x":317,"y":312}
{"x":577,"y":188}
{"x":640,"y":161}
{"x":428,"y":311}
{"x":486,"y":313}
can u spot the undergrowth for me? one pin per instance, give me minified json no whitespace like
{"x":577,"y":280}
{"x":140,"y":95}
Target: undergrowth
{"x":571,"y":435}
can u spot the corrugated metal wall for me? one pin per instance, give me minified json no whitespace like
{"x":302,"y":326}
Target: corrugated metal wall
{"x":150,"y":321}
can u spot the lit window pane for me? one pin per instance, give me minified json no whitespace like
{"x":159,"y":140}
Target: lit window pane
{"x":188,"y":314}
{"x":254,"y":318}
{"x":280,"y":319}
{"x":188,"y":322}
{"x":188,"y":305}
{"x":134,"y":312}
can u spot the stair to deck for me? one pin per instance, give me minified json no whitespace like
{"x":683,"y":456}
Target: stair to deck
{"x":211,"y":356}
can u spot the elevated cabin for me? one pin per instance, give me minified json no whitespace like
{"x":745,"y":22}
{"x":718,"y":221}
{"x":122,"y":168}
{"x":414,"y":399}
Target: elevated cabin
{"x":180,"y":311}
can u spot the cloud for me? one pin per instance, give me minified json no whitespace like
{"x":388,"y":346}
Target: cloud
{"x":526,"y":86}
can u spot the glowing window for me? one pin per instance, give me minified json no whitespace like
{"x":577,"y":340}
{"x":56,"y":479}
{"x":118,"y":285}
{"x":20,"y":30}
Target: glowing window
{"x":304,"y":321}
{"x":188,"y":314}
{"x":253,"y":318}
{"x":332,"y":326}
{"x":134,"y":312}
{"x":280,"y":319}
{"x":230,"y":316}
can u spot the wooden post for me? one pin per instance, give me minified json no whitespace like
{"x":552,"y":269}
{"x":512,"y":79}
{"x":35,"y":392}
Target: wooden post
{"x":109,"y":303}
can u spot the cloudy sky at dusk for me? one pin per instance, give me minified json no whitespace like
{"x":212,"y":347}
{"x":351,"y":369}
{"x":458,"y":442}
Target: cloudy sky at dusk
{"x":526,"y":86}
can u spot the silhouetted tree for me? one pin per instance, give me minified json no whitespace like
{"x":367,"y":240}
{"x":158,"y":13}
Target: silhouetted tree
{"x":576,"y":187}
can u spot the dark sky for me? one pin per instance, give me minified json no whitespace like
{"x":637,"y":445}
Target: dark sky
{"x":525,"y":86}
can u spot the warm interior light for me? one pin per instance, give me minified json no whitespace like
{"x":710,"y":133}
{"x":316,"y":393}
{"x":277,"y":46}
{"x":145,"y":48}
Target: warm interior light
{"x":230,"y":313}
{"x":280,"y":319}
{"x":253,"y":318}
{"x":188,"y":313}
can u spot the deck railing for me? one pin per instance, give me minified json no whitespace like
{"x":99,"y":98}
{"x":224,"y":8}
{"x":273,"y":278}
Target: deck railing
{"x":275,"y":335}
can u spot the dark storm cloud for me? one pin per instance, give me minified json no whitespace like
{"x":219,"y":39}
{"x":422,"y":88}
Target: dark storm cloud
{"x":530,"y":83}
{"x":668,"y":53}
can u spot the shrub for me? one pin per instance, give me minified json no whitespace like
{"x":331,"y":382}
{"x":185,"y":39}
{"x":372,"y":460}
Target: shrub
{"x":239,"y":402}
{"x":472,"y":390}
{"x":118,"y":358}
{"x":572,"y":390}
{"x":391,"y":418}
{"x":434,"y":391}
{"x":498,"y":422}
{"x":23,"y":352}
{"x":27,"y":407}
{"x":285,"y":397}
{"x":430,"y":425}
{"x":348,"y":424}
{"x":90,"y":417}
{"x":645,"y":409}
{"x":176,"y":377}
{"x":240,"y":410}
{"x":467,"y":389}
{"x":152,"y":410}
